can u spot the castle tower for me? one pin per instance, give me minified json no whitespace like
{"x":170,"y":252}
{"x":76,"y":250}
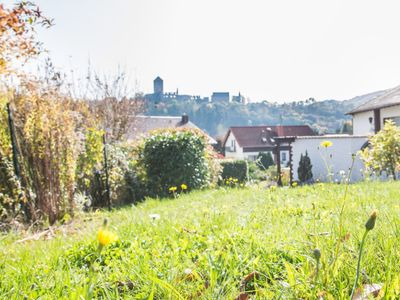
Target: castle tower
{"x":158,"y":86}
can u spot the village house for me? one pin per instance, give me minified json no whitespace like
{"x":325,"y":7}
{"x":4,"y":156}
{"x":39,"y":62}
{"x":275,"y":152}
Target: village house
{"x":144,"y":125}
{"x":370,"y":117}
{"x":246,"y":142}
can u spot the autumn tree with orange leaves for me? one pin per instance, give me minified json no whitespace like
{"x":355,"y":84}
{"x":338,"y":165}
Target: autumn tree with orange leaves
{"x":18,"y":42}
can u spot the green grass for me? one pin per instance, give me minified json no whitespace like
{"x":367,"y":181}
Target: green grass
{"x":206,"y":242}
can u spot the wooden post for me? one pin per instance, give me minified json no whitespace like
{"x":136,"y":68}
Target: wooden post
{"x":290,"y":164}
{"x":108,"y":193}
{"x":278,"y":163}
{"x":377,"y":120}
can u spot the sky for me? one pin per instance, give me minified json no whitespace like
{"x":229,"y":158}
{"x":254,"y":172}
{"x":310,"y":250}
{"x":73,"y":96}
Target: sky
{"x":268,"y":50}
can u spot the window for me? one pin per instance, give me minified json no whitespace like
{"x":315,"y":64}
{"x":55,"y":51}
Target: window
{"x":396,"y":120}
{"x":233,"y":146}
{"x":252,"y":157}
{"x":283,"y":156}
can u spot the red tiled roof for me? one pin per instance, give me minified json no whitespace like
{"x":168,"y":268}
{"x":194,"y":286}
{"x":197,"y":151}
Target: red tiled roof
{"x":263,"y":136}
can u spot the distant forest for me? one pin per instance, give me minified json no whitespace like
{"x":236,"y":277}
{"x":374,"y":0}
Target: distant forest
{"x":326,"y":116}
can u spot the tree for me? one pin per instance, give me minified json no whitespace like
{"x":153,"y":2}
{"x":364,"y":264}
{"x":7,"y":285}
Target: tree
{"x":347,"y":128}
{"x":384,"y":151}
{"x":265,"y":160}
{"x":18,"y":42}
{"x":304,"y":170}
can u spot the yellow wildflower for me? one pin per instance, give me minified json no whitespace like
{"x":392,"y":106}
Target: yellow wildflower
{"x":172,"y":188}
{"x":183,"y":186}
{"x":326,"y":144}
{"x":106,"y":237}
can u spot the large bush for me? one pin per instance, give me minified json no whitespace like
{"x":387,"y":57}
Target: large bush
{"x":235,"y":169}
{"x":91,"y":173}
{"x":174,"y":157}
{"x":384,"y":151}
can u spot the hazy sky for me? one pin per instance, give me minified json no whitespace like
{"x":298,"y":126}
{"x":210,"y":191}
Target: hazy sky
{"x":273,"y":50}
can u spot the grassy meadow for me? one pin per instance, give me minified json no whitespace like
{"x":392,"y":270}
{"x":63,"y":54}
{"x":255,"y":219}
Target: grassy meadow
{"x":252,"y":242}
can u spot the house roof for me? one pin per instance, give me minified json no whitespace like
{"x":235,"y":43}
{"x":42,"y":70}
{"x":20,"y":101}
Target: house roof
{"x":145,"y":124}
{"x":390,"y":98}
{"x":263,"y":136}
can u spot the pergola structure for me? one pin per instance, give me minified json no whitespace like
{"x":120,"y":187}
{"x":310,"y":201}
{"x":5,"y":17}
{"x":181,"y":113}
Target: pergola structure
{"x":284,"y":143}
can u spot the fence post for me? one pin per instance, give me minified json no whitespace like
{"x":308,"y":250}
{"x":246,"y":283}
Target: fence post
{"x":13,"y":142}
{"x":17,"y":169}
{"x":108,"y":194}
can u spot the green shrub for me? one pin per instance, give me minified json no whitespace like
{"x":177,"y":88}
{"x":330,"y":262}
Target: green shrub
{"x":304,"y":170}
{"x":256,"y":173}
{"x":173,"y":157}
{"x":265,"y":160}
{"x":235,"y":169}
{"x":91,"y":179}
{"x":384,"y":151}
{"x":272,"y":175}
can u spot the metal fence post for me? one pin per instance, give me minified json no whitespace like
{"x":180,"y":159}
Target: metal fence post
{"x":108,"y":193}
{"x":17,"y":169}
{"x":13,"y":142}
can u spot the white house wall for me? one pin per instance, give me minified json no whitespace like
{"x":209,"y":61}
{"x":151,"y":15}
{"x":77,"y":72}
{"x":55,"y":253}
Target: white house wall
{"x":361,"y":124}
{"x":389,"y":112}
{"x":238,"y":151}
{"x":338,"y":156}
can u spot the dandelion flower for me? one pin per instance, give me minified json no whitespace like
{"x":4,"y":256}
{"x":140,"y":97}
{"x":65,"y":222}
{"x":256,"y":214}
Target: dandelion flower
{"x":326,"y":144}
{"x":106,"y":237}
{"x":183,"y":186}
{"x":172,"y":189}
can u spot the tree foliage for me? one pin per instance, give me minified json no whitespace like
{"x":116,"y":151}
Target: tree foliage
{"x":265,"y":160}
{"x":304,"y":170}
{"x":384,"y":151}
{"x":18,"y":42}
{"x":323,"y":117}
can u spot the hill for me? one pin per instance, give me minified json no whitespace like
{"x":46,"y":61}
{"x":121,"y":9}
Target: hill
{"x":326,"y":116}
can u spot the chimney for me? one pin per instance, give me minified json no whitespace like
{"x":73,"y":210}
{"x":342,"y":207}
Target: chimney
{"x":185,"y":119}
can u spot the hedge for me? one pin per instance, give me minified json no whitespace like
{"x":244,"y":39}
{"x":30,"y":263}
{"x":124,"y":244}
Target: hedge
{"x":235,"y":169}
{"x":174,"y":157}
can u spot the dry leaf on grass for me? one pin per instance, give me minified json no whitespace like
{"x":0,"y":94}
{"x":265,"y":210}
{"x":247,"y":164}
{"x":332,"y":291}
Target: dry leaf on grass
{"x":367,"y":291}
{"x":243,"y":296}
{"x":248,"y":278}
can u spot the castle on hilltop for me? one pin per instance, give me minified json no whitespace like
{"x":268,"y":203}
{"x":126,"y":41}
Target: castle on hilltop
{"x":159,"y":95}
